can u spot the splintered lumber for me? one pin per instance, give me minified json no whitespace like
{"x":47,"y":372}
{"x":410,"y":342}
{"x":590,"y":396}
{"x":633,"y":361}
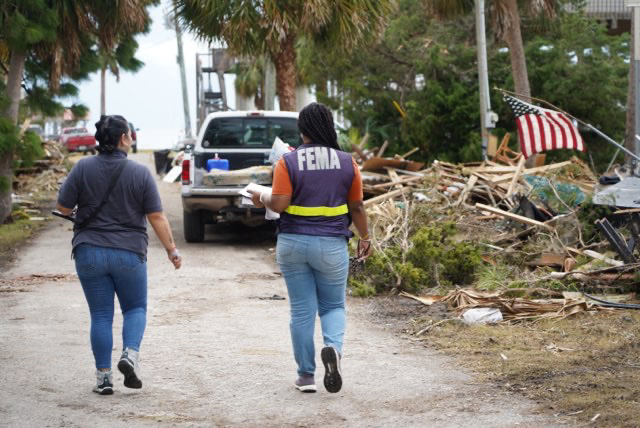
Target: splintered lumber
{"x":516,"y":176}
{"x":628,"y":211}
{"x":492,"y":169}
{"x":511,"y":216}
{"x":511,"y":169}
{"x":547,"y":168}
{"x":597,"y":256}
{"x":406,"y":180}
{"x":382,"y":149}
{"x":378,"y":163}
{"x":386,"y":196}
{"x":409,"y":153}
{"x":467,"y":189}
{"x":394,"y":178}
{"x":603,"y":258}
{"x":549,"y":259}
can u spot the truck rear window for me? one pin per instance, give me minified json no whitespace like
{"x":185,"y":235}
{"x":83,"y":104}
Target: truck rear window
{"x":249,"y":132}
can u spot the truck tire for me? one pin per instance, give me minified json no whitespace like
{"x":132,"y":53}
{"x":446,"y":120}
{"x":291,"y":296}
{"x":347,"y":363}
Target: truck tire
{"x":193,"y":224}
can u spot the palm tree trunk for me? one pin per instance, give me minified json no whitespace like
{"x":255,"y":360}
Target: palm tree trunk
{"x":103,"y":98}
{"x":285,"y":63}
{"x":513,"y":39}
{"x":14,"y":91}
{"x":630,"y":122}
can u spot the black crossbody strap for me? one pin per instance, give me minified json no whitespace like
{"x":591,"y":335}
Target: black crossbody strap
{"x":114,"y":179}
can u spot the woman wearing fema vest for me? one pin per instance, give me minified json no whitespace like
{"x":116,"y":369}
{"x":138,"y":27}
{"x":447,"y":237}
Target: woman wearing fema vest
{"x":110,"y":244}
{"x":317,"y":189}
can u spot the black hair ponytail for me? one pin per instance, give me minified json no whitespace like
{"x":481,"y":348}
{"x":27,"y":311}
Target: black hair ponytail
{"x":109,"y":131}
{"x":316,"y":122}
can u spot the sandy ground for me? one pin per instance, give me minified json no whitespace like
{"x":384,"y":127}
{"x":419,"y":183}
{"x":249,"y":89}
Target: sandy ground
{"x":216,"y":354}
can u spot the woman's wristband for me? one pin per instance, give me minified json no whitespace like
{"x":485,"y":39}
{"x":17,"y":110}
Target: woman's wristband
{"x":365,"y":237}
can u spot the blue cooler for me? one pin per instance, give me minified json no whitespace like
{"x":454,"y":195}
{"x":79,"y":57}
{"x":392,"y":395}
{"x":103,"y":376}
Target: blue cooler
{"x":217,"y":163}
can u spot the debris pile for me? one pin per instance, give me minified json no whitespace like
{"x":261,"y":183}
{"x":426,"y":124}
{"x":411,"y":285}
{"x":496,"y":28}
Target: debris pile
{"x":43,"y":175}
{"x":538,"y":220}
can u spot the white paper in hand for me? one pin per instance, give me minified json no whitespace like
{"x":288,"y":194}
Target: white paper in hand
{"x":270,"y":215}
{"x":278,"y":150}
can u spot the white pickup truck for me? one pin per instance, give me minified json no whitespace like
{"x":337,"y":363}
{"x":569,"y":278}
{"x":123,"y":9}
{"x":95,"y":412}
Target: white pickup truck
{"x":245,"y":140}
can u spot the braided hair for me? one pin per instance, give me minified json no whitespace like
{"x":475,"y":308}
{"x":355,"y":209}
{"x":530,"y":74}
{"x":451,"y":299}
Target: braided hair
{"x":109,"y":131}
{"x":316,"y":122}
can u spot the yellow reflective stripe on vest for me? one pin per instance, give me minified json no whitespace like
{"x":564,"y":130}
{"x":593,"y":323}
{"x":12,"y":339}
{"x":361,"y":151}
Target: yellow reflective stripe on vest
{"x":318,"y":211}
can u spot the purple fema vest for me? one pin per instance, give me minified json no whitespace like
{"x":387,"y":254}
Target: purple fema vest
{"x":321,"y":178}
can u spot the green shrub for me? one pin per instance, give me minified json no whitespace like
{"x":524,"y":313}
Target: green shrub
{"x":361,"y":289}
{"x":434,"y":258}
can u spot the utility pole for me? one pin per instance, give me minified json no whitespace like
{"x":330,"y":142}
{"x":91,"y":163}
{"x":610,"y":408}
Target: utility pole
{"x":171,"y":22}
{"x":183,"y":79}
{"x":635,"y":5}
{"x":488,"y":118}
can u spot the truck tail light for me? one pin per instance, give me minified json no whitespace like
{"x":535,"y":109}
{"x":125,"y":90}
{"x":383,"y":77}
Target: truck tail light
{"x":186,"y":172}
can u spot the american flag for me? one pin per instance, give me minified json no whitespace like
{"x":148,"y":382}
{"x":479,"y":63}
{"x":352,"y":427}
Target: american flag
{"x":540,"y":129}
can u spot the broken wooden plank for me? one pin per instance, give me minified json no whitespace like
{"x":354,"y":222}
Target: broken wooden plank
{"x":516,"y":176}
{"x":492,"y":169}
{"x":467,"y":189}
{"x":602,"y":258}
{"x":406,"y":180}
{"x":409,"y":153}
{"x":382,"y":149}
{"x":378,"y":163}
{"x":408,"y":172}
{"x":628,"y":211}
{"x":386,"y":196}
{"x":549,"y":259}
{"x":515,"y":217}
{"x":394,"y":178}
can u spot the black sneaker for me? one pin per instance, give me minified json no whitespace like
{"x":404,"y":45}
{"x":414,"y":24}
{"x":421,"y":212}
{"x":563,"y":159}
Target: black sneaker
{"x":305,"y":383}
{"x":332,"y":375}
{"x":104,"y":383}
{"x":129,"y":366}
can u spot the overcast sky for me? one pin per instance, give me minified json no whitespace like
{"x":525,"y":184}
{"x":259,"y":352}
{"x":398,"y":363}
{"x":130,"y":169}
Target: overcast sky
{"x":152,"y":97}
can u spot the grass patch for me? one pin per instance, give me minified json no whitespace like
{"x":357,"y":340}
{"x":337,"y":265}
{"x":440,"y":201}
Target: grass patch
{"x":587,"y":364}
{"x":15,"y":233}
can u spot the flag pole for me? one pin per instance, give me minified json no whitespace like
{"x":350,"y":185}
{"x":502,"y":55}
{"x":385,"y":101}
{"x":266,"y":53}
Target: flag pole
{"x":588,"y":125}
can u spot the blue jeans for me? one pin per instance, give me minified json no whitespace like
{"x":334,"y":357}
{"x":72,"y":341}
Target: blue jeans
{"x":315,"y":269}
{"x":104,"y":272}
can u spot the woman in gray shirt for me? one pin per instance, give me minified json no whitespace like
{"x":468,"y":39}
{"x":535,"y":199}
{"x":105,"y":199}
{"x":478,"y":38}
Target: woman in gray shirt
{"x":110,"y":245}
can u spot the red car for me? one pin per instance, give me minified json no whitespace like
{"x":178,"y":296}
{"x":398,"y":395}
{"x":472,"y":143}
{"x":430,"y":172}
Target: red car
{"x":78,"y":140}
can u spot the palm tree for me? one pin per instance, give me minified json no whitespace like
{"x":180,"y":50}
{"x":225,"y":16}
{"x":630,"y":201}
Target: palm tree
{"x":58,"y":33}
{"x":273,"y":28}
{"x":250,"y":80}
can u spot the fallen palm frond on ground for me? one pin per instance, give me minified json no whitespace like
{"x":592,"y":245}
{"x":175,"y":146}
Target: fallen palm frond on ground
{"x":512,"y":308}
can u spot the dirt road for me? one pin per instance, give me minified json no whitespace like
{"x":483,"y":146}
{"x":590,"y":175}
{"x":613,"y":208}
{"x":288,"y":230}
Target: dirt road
{"x":215,"y":353}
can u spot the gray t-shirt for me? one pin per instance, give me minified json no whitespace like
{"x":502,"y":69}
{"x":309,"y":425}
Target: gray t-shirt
{"x":121,"y":223}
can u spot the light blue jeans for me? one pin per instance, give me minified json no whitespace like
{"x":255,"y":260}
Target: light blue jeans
{"x":105,"y":272}
{"x":315,"y":269}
